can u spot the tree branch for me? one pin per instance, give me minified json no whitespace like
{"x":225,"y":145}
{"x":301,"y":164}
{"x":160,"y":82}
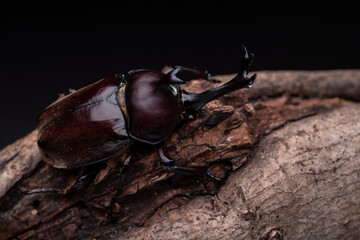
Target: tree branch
{"x":290,"y":145}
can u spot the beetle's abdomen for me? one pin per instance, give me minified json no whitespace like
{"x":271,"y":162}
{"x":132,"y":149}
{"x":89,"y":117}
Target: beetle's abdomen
{"x":84,"y":127}
{"x":153,"y":106}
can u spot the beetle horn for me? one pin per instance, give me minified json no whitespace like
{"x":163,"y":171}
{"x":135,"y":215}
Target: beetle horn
{"x":194,"y":102}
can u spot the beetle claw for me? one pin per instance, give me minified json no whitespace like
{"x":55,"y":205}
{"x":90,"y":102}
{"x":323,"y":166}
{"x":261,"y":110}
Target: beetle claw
{"x":220,"y":180}
{"x":251,"y":81}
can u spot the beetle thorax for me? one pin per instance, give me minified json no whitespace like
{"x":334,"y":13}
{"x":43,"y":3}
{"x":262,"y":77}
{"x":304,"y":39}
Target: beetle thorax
{"x":153,"y":106}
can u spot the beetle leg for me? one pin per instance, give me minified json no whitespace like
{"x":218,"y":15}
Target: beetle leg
{"x":41,"y":190}
{"x":74,"y":185}
{"x":124,"y":170}
{"x":67,"y":92}
{"x":194,"y":102}
{"x":172,"y":71}
{"x":168,"y":164}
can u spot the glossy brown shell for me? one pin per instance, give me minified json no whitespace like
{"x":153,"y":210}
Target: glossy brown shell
{"x":153,"y":106}
{"x":84,"y":127}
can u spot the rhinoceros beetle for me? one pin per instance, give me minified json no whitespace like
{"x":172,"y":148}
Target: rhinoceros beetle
{"x":100,"y":121}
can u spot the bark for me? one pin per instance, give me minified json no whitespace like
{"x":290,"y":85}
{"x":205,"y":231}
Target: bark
{"x":290,"y":146}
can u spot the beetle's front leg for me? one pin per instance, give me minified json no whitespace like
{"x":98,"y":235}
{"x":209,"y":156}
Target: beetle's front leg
{"x":168,"y":164}
{"x":172,"y":72}
{"x":192,"y":71}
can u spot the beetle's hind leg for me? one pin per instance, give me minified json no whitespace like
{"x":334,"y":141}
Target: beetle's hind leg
{"x":67,"y":92}
{"x":168,"y":164}
{"x":80,"y":179}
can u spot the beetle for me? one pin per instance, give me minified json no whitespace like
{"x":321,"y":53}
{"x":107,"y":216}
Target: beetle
{"x":100,"y":121}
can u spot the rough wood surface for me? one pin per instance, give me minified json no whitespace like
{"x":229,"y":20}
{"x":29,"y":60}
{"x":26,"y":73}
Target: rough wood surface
{"x":302,"y":182}
{"x":290,"y":145}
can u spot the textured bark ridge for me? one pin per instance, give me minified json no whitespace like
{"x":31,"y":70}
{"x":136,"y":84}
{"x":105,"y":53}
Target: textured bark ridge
{"x":290,"y":146}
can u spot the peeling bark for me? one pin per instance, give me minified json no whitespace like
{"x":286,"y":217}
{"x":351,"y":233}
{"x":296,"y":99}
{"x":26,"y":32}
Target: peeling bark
{"x":289,"y":144}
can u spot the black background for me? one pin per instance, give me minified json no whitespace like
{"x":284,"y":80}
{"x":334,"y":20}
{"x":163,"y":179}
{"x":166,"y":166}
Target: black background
{"x":45,"y":51}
